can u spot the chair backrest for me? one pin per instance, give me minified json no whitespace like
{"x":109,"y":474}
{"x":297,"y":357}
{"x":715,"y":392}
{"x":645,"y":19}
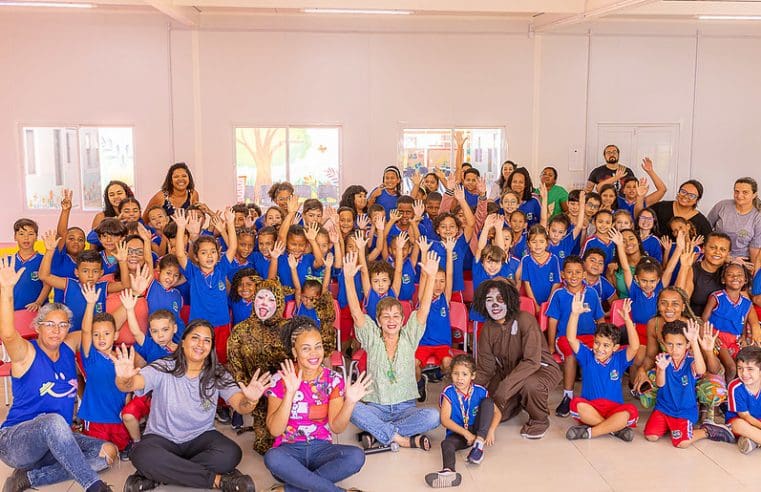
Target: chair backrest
{"x":543,"y":319}
{"x":290,"y":307}
{"x":406,"y":309}
{"x":527,"y":304}
{"x":337,"y":310}
{"x":22,"y":321}
{"x":458,"y":316}
{"x":615,"y":317}
{"x":468,"y":292}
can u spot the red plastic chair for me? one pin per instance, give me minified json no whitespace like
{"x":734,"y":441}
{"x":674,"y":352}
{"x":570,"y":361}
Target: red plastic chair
{"x":468,"y":292}
{"x":5,"y":373}
{"x":458,"y":319}
{"x":290,"y":307}
{"x":544,"y":321}
{"x":406,"y":309}
{"x":616,"y":318}
{"x":22,"y":321}
{"x":185,"y":313}
{"x":527,"y":305}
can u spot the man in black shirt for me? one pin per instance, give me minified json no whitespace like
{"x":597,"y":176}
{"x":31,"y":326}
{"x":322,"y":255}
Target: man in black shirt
{"x":610,"y":173}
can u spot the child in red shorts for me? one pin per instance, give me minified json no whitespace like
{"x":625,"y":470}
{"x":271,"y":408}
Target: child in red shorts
{"x":601,"y":409}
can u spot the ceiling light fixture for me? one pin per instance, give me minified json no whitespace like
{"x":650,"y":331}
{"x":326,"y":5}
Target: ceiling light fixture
{"x":48,"y":5}
{"x":729,"y":17}
{"x":357,"y":11}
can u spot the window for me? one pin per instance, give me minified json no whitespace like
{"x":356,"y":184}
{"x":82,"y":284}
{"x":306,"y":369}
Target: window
{"x":424,"y":149}
{"x":52,"y":162}
{"x":308,"y":158}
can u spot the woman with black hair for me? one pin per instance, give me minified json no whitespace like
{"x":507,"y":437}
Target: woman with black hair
{"x":514,"y":363}
{"x":177,"y":191}
{"x":686,"y":206}
{"x":355,"y":197}
{"x":181,"y":446}
{"x":500,"y":186}
{"x":520,"y":182}
{"x":115,"y":192}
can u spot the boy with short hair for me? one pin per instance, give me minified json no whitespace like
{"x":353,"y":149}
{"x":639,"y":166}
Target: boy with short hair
{"x":594,"y":267}
{"x":30,"y":292}
{"x":677,"y":370}
{"x":432,"y":204}
{"x":743,"y":397}
{"x":601,"y":409}
{"x":559,"y":314}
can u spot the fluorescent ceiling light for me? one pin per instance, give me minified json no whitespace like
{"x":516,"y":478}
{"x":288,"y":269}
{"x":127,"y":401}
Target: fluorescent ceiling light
{"x":47,"y":4}
{"x":357,"y":11}
{"x":729,"y":17}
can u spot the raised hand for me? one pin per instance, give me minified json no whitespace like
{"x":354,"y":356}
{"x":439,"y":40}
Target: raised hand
{"x":141,"y":279}
{"x":626,"y":309}
{"x":418,"y":208}
{"x":293,"y":263}
{"x":359,"y":388}
{"x":395,"y":216}
{"x":121,"y":251}
{"x":360,"y":240}
{"x":642,"y":187}
{"x":124,"y":362}
{"x":257,"y":386}
{"x":328,"y":260}
{"x":647,"y":165}
{"x":228,"y":215}
{"x":417,"y":178}
{"x":66,"y":199}
{"x":400,"y":241}
{"x":492,"y":220}
{"x":691,"y":330}
{"x":128,"y":299}
{"x":681,"y":240}
{"x":666,"y":243}
{"x":662,"y":361}
{"x":90,"y":294}
{"x":50,"y":238}
{"x":707,"y":338}
{"x":8,"y":274}
{"x":363,"y":221}
{"x":449,"y":244}
{"x":687,"y":258}
{"x":249,"y":221}
{"x":452,"y":180}
{"x":297,"y":218}
{"x":460,"y":138}
{"x":277,"y":250}
{"x":578,"y":306}
{"x":291,"y":378}
{"x":333,"y":235}
{"x":620,"y":173}
{"x":180,"y":218}
{"x":293,"y":204}
{"x":431,"y":265}
{"x":459,"y":193}
{"x":380,"y":223}
{"x":311,"y":231}
{"x":218,"y":222}
{"x":481,"y":186}
{"x":616,"y":237}
{"x":194,"y":222}
{"x":143,"y":232}
{"x":423,"y":245}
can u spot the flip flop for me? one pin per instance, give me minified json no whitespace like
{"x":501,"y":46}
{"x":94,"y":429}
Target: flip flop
{"x":425,"y":442}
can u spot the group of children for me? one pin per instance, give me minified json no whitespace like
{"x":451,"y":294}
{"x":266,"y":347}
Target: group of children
{"x":147,"y":272}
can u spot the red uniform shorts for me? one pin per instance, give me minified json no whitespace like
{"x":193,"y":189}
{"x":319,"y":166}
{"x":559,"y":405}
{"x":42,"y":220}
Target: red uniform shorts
{"x":221,"y":334}
{"x":437,"y":352}
{"x":114,"y":433}
{"x":139,"y":407}
{"x":642,"y":333}
{"x":659,"y":424}
{"x":564,"y":348}
{"x":606,"y":408}
{"x":730,"y":342}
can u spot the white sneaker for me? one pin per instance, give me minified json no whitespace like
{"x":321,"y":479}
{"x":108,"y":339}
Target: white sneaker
{"x":746,"y":445}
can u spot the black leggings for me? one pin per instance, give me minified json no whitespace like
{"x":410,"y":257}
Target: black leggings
{"x":190,"y":464}
{"x":480,"y":428}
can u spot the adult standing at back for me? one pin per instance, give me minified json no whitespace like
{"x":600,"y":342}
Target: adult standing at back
{"x":557,"y":196}
{"x":740,"y":219}
{"x":177,"y":191}
{"x":612,"y":172}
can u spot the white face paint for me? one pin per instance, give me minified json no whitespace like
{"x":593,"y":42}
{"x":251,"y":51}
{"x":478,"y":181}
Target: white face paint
{"x":495,"y":305}
{"x":265,"y":304}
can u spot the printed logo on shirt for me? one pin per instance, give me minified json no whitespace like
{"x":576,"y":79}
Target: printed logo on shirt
{"x":561,"y":254}
{"x":551,"y":277}
{"x":175,"y":306}
{"x":443,"y":312}
{"x":685,"y":380}
{"x":614,"y":375}
{"x":676,"y":434}
{"x":221,"y":285}
{"x":406,"y":278}
{"x":35,"y":276}
{"x":99,"y":307}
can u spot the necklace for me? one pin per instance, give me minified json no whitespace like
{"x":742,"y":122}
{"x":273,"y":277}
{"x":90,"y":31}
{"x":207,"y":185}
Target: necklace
{"x":391,"y":373}
{"x":465,"y":411}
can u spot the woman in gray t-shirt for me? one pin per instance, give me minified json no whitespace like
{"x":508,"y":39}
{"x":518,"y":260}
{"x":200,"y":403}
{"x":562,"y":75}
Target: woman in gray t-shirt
{"x":740,"y":219}
{"x":180,"y":445}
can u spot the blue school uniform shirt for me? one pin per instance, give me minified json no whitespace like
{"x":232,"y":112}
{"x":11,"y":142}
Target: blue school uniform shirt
{"x":520,"y":248}
{"x":542,"y":276}
{"x":158,"y":297}
{"x":63,"y":266}
{"x":728,"y":316}
{"x":594,"y":242}
{"x":740,"y":399}
{"x":653,"y":248}
{"x":603,"y":287}
{"x":236,"y":266}
{"x":260,"y":263}
{"x":602,"y":379}
{"x":563,"y":248}
{"x":426,"y":228}
{"x":29,"y":285}
{"x":756,"y":287}
{"x":371,"y":302}
{"x":471,"y":198}
{"x":102,"y":402}
{"x":109,"y":263}
{"x":677,"y":398}
{"x":73,"y":298}
{"x":463,"y":404}
{"x":342,"y":300}
{"x":309,"y":313}
{"x":409,"y":279}
{"x":150,"y":350}
{"x":304,"y":268}
{"x":208,"y":292}
{"x":438,"y":328}
{"x":644,"y":306}
{"x":623,"y":204}
{"x":241,"y":310}
{"x":47,"y":387}
{"x":479,"y":276}
{"x":533,"y":210}
{"x":560,"y":309}
{"x":458,"y":257}
{"x":387,"y":201}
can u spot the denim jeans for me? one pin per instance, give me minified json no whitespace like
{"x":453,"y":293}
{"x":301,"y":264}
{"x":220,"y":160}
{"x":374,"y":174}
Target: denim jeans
{"x":50,"y":452}
{"x":314,"y":465}
{"x":383,"y":421}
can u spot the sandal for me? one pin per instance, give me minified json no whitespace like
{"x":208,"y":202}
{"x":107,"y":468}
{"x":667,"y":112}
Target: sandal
{"x":420,"y":441}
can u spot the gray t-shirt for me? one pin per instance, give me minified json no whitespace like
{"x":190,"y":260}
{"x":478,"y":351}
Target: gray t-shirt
{"x":744,"y":230}
{"x":177,"y":411}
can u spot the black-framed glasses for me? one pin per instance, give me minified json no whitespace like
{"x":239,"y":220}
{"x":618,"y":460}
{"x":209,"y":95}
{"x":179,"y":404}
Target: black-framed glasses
{"x":685,"y":193}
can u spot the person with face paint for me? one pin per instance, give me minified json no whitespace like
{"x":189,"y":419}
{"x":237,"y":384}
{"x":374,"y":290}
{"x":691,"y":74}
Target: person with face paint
{"x":514,"y":363}
{"x":256,"y":344}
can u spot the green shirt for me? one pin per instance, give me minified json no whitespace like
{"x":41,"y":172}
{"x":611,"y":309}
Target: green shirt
{"x":393,"y":380}
{"x":555,"y":197}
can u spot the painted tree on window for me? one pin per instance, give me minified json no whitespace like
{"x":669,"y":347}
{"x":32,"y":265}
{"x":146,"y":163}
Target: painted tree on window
{"x":261,"y":144}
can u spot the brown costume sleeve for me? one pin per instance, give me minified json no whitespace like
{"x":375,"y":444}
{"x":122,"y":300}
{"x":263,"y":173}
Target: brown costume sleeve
{"x":527,"y":360}
{"x":486,"y":367}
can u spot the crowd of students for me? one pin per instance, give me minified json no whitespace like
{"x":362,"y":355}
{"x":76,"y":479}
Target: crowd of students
{"x":202,"y":314}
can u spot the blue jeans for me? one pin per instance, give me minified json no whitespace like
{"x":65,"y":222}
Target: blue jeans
{"x":50,"y":452}
{"x":384,"y":421}
{"x":315,"y":465}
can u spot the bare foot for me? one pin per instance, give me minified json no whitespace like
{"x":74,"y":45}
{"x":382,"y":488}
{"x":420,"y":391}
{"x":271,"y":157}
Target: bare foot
{"x":109,"y":451}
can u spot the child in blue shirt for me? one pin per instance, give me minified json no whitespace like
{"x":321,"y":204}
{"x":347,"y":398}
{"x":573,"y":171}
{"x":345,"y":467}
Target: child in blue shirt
{"x":313,"y":297}
{"x":743,"y":397}
{"x":102,"y":401}
{"x":470,"y":417}
{"x":677,"y":370}
{"x":603,"y":221}
{"x":296,"y":238}
{"x":519,"y":243}
{"x":540,"y":270}
{"x":72,"y":243}
{"x":389,"y":190}
{"x":594,"y":265}
{"x":242,"y":291}
{"x":563,"y":237}
{"x":29,"y":292}
{"x":109,"y":233}
{"x":163,"y":293}
{"x":243,"y":254}
{"x":558,"y":314}
{"x":601,"y":409}
{"x":260,"y":259}
{"x":647,"y":222}
{"x":208,"y":290}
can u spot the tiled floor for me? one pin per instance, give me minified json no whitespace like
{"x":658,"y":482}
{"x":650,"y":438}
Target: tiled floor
{"x":513,"y":463}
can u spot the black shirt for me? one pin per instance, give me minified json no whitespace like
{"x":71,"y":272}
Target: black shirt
{"x":704,"y":284}
{"x":604,"y":172}
{"x":664,"y":212}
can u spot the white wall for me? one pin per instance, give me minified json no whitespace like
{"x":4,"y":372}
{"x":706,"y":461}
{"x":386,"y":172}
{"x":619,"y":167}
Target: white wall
{"x":185,"y":90}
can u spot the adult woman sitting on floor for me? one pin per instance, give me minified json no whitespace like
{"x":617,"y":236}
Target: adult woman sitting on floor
{"x":181,"y":445}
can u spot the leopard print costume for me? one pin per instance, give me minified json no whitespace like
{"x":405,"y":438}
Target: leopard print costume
{"x":326,"y":313}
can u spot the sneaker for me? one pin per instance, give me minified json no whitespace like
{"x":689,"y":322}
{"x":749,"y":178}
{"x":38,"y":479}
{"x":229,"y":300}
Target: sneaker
{"x":578,"y":432}
{"x":718,"y":432}
{"x":137,"y":482}
{"x":626,"y":434}
{"x":746,"y":445}
{"x":237,"y":421}
{"x":100,"y":486}
{"x":421,"y":388}
{"x":444,"y":478}
{"x":124,"y":453}
{"x":533,"y":435}
{"x":476,"y":455}
{"x":564,"y":409}
{"x":223,"y":415}
{"x":235,"y":481}
{"x":17,"y":482}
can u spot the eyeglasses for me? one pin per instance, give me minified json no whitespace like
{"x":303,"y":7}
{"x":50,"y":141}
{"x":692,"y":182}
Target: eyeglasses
{"x":309,"y":298}
{"x":645,"y":219}
{"x":592,"y":207}
{"x":62,"y":325}
{"x":135,"y":251}
{"x":685,"y":193}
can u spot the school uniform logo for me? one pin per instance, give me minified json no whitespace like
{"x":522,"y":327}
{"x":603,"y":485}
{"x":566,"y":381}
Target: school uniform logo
{"x":685,"y":380}
{"x":443,"y":312}
{"x":677,"y":434}
{"x":406,"y":278}
{"x":221,"y":285}
{"x":99,"y":307}
{"x":614,"y":375}
{"x":175,"y":307}
{"x":35,"y":276}
{"x":561,"y":254}
{"x":551,"y":277}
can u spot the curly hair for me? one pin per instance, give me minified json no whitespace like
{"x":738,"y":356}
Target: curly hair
{"x":507,"y":290}
{"x":295,"y":327}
